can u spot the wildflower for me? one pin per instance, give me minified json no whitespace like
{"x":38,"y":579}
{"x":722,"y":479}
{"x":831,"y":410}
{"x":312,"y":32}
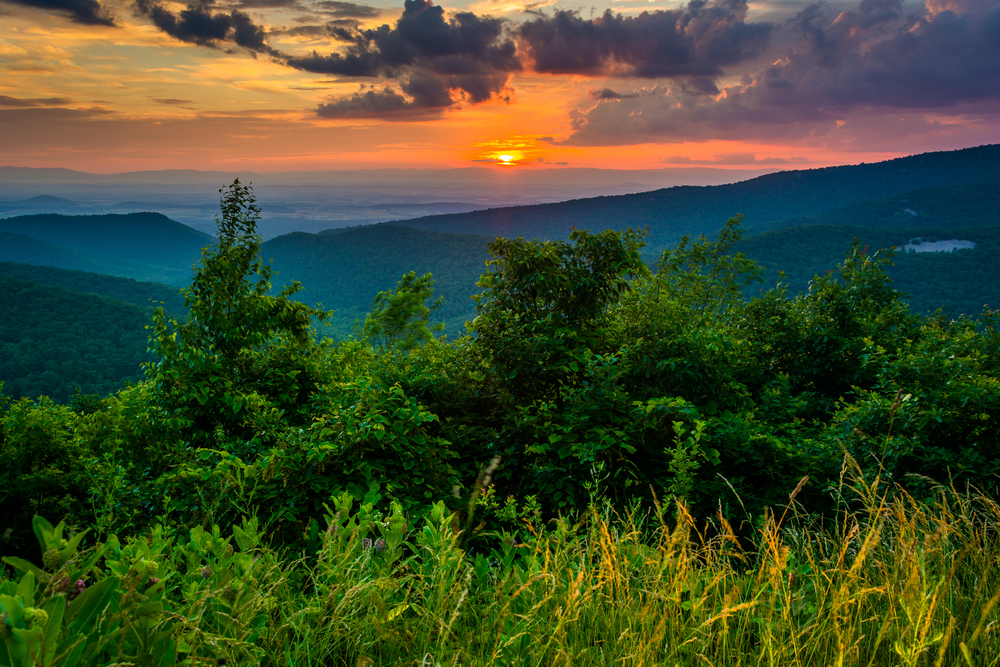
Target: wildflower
{"x":366,"y":543}
{"x":206,"y":572}
{"x":80,"y":586}
{"x":229,"y":549}
{"x":380,"y":544}
{"x":152,"y":567}
{"x":229,"y":593}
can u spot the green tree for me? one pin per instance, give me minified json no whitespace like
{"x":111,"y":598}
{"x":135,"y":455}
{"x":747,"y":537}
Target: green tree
{"x":545,"y":305}
{"x":706,"y":277}
{"x":400,"y":319}
{"x":244,"y":358}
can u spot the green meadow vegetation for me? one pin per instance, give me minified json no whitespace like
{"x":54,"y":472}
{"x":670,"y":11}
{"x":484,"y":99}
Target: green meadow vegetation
{"x":616,"y":465}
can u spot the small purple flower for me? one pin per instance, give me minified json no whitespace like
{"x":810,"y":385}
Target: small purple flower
{"x":206,"y":572}
{"x":380,"y":544}
{"x":366,"y":543}
{"x":77,"y":589}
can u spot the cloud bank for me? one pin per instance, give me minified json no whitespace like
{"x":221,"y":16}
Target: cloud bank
{"x":692,"y":41}
{"x":437,"y":62}
{"x":88,"y":12}
{"x":845,"y":69}
{"x":200,"y":24}
{"x":701,"y":71}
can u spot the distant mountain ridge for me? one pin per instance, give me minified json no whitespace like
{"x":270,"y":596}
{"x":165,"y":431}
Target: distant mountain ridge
{"x":764,"y":201}
{"x":146,"y":246}
{"x":23,"y":249}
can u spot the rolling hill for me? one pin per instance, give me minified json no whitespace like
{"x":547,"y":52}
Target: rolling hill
{"x":959,"y":282}
{"x":24,"y":249}
{"x":145,"y":238}
{"x":62,"y":341}
{"x":672,"y":212}
{"x":137,"y":293}
{"x":345,"y":271}
{"x":959,"y":205}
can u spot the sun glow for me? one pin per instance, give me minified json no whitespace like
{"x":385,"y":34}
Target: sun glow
{"x":506,"y":159}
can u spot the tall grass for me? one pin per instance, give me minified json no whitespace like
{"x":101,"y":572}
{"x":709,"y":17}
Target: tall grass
{"x":890,"y":581}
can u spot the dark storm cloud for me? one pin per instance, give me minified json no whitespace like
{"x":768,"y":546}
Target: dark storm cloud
{"x":302,"y":31}
{"x":430,"y":55}
{"x":88,"y":12}
{"x":200,"y":24}
{"x":696,"y":40}
{"x":346,"y":10}
{"x":846,"y":66}
{"x":384,"y":103}
{"x":21,"y":103}
{"x":267,"y":4}
{"x":608,"y":94}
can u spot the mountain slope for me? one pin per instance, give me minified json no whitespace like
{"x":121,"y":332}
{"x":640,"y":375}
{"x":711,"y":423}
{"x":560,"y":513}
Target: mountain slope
{"x":63,"y":340}
{"x":345,"y":271}
{"x":149,"y":238}
{"x":672,"y":212}
{"x":137,"y":293}
{"x":29,"y":250}
{"x":960,"y":205}
{"x":960,"y":282}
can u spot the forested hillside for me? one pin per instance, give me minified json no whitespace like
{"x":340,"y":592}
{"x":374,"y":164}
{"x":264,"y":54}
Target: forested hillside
{"x":143,"y":246}
{"x":345,"y":271}
{"x":957,"y":282}
{"x":962,"y":205}
{"x":135,"y":292}
{"x":672,"y":212}
{"x":22,"y":249}
{"x":150,"y":238}
{"x":54,"y":341}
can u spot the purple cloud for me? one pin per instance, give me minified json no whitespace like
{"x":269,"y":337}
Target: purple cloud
{"x":863,"y":62}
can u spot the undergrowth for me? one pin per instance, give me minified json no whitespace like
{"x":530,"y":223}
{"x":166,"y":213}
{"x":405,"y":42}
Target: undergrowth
{"x":887,"y":581}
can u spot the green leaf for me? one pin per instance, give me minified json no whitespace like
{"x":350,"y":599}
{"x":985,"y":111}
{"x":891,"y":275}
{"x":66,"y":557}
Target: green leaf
{"x":43,"y":531}
{"x":90,"y":603}
{"x":55,"y":608}
{"x":71,"y":649}
{"x":23,"y":565}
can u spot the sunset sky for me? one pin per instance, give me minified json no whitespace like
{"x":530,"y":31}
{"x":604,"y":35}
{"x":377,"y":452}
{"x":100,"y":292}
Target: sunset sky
{"x":276,"y":85}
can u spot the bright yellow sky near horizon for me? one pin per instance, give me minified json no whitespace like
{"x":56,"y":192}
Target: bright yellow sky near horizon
{"x":131,"y":97}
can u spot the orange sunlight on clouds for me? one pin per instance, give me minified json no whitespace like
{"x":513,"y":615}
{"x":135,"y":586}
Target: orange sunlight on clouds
{"x":311,"y":85}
